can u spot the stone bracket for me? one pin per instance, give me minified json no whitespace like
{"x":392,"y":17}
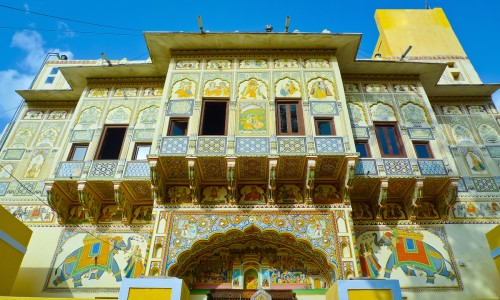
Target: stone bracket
{"x":124,"y":201}
{"x":382,"y":198}
{"x":231,"y":179}
{"x":193,"y":179}
{"x":413,"y":203}
{"x":90,"y":201}
{"x":349,"y":177}
{"x":309,"y":180}
{"x":58,"y":201}
{"x":448,"y":199}
{"x":271,"y":184}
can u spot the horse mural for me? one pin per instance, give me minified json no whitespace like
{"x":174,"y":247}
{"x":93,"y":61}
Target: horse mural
{"x":413,"y":255}
{"x":95,"y":257}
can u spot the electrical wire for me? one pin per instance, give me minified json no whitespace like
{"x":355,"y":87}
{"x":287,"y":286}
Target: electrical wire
{"x":77,"y":225}
{"x":67,"y":19}
{"x":70,"y":31}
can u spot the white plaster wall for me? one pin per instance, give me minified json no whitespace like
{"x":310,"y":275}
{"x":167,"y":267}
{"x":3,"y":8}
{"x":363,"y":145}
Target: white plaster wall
{"x":479,"y":276}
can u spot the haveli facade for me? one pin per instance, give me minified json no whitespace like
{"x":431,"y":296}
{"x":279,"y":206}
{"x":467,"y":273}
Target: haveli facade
{"x":258,"y":160}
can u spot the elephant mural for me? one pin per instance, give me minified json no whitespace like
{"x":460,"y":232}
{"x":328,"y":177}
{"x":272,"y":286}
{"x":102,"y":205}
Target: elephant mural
{"x":95,"y":257}
{"x":413,"y":256}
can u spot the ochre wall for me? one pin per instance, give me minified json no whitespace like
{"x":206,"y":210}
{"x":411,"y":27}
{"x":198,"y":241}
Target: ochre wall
{"x":493,"y":238}
{"x":10,"y":257}
{"x":428,"y":31}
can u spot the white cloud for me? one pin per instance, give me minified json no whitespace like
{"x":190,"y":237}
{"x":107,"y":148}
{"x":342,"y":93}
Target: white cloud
{"x":32,"y":44}
{"x":66,"y":32}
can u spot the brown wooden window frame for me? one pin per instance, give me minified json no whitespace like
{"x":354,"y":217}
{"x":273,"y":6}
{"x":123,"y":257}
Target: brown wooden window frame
{"x":366,"y":144}
{"x":332,"y":126}
{"x":171,"y":123}
{"x":427,"y":146}
{"x":136,"y":150}
{"x":103,"y":137}
{"x":397,"y":137}
{"x":203,"y":112}
{"x":300,"y":118}
{"x":73,"y":150}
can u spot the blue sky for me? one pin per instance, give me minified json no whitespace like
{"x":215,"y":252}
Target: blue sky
{"x":25,"y":38}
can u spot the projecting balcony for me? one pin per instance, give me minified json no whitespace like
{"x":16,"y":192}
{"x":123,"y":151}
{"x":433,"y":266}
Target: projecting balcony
{"x":97,"y":185}
{"x":401,"y":188}
{"x":228,"y":169}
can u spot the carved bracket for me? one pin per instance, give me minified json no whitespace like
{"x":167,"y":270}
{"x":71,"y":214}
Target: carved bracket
{"x":415,"y":200}
{"x":231,"y":179}
{"x":58,"y":201}
{"x":382,"y":199}
{"x":124,"y":202}
{"x":349,"y":177}
{"x":90,"y":201}
{"x":193,"y":179}
{"x":309,"y":184}
{"x":271,"y":185}
{"x":448,"y":199}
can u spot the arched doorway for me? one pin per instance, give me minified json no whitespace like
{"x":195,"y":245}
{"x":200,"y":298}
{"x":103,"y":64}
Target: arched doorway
{"x":253,"y":259}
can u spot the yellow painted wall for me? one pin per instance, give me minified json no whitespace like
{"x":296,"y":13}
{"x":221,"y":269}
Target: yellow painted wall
{"x":10,"y":257}
{"x":427,"y":30}
{"x":370,"y":294}
{"x":149,"y":294}
{"x":493,"y":238}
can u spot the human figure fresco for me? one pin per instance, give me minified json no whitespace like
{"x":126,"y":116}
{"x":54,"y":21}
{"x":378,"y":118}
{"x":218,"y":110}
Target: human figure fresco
{"x":185,"y":90}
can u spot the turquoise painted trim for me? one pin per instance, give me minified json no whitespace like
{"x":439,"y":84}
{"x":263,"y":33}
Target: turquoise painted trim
{"x":377,"y":284}
{"x":495,"y":252}
{"x":12,"y":242}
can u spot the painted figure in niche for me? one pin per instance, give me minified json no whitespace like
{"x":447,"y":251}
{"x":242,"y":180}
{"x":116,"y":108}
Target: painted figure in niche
{"x":414,"y":113}
{"x":393,"y":211}
{"x":35,"y":166}
{"x":253,"y":89}
{"x":187,"y":230}
{"x":289,"y":193}
{"x":253,"y":118}
{"x":376,"y":88}
{"x":142,"y":214}
{"x":361,"y":211}
{"x":286,"y":63}
{"x":325,"y":194}
{"x":110,"y":213}
{"x":89,"y":116}
{"x":185,"y":90}
{"x":476,"y":165}
{"x":22,"y":138}
{"x":47,"y":138}
{"x":216,"y":88}
{"x":266,"y":279}
{"x":315,"y":230}
{"x":368,"y":246}
{"x":119,"y":115}
{"x":179,"y":194}
{"x":451,"y":110}
{"x":97,"y":258}
{"x":78,"y":215}
{"x":356,"y":114}
{"x":148,"y":116}
{"x":58,"y":115}
{"x":476,"y":109}
{"x":317,"y":63}
{"x":404,"y":88}
{"x":462,"y":135}
{"x":6,"y":170}
{"x":321,"y":89}
{"x":214,"y":194}
{"x":187,"y":65}
{"x":253,"y":64}
{"x":98,"y":93}
{"x":412,"y":254}
{"x":488,"y":134}
{"x":128,"y":92}
{"x":252,"y":194}
{"x":33,"y":115}
{"x":427,"y":211}
{"x":383,"y":112}
{"x":251,"y":279}
{"x":236,"y":277}
{"x":218,"y":64}
{"x":351,"y":88}
{"x":153,"y":91}
{"x":287,"y":88}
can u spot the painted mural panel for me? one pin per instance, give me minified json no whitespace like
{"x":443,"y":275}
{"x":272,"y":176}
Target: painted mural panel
{"x":125,"y":92}
{"x":325,"y":193}
{"x":153,"y":92}
{"x":317,"y":63}
{"x":98,"y":259}
{"x":98,"y":93}
{"x":287,"y":88}
{"x":179,"y":194}
{"x":35,"y":165}
{"x":89,"y":117}
{"x":477,"y":210}
{"x":187,"y":65}
{"x":286,"y":63}
{"x":252,"y":194}
{"x":216,"y":64}
{"x":253,"y":64}
{"x":474,"y":160}
{"x":119,"y":115}
{"x":252,"y":89}
{"x":289,"y":193}
{"x":321,"y":89}
{"x":217,"y":88}
{"x":419,"y":257}
{"x":252,"y":118}
{"x":58,"y":115}
{"x":214,"y":195}
{"x":32,"y":213}
{"x":183,"y":89}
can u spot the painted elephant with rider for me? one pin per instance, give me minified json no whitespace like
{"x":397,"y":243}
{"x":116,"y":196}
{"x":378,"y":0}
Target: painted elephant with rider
{"x":95,"y":257}
{"x":412,"y":255}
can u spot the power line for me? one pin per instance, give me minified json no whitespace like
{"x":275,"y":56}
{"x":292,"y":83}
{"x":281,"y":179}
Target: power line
{"x":70,"y":31}
{"x":77,"y":225}
{"x":67,"y":19}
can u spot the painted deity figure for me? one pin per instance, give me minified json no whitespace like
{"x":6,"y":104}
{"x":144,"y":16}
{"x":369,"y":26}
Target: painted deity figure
{"x":288,"y":89}
{"x":252,"y":90}
{"x":185,"y":90}
{"x":475,"y":162}
{"x":319,"y":90}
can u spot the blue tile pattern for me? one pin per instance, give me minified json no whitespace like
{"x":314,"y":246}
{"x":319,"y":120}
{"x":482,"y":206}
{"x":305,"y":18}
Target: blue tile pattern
{"x":432,"y":167}
{"x":103,"y":168}
{"x":485,"y":184}
{"x":397,"y":167}
{"x":291,"y":145}
{"x":180,"y":108}
{"x":211,"y":145}
{"x":137,"y":169}
{"x":252,"y":145}
{"x":174,"y":145}
{"x":324,"y":108}
{"x":366,"y":167}
{"x":70,"y":169}
{"x":3,"y":188}
{"x":26,"y":188}
{"x":329,"y":144}
{"x":494,"y":151}
{"x":461,"y":185}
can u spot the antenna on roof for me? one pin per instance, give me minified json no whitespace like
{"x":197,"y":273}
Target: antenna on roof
{"x":406,"y":53}
{"x":287,"y":23}
{"x":106,"y":59}
{"x":200,"y":24}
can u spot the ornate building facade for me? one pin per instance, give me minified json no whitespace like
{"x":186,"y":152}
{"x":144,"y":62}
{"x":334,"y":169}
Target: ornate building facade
{"x":259,"y":160}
